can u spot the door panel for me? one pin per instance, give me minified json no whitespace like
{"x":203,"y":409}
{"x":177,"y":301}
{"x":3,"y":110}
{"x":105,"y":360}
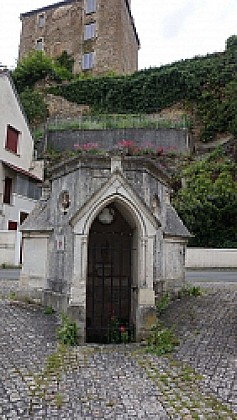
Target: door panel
{"x":109,"y":278}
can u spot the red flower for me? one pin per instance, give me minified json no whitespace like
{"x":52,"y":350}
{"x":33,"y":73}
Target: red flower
{"x":122,"y":328}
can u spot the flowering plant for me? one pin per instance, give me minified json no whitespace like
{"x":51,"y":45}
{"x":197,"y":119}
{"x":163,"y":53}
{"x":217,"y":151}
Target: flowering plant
{"x":87,"y":147}
{"x":118,"y":331}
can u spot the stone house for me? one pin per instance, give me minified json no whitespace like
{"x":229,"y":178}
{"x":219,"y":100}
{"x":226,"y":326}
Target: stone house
{"x":103,"y":242}
{"x":99,"y":34}
{"x":20,"y":174}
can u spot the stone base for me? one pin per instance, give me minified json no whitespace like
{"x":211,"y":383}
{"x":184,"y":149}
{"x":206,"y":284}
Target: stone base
{"x":57,"y":301}
{"x":172,"y":286}
{"x":146,"y":319}
{"x":78,"y":315}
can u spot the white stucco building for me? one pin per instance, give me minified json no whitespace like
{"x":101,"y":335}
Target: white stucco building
{"x":20,"y":175}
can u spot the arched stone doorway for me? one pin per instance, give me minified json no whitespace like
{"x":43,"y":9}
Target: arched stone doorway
{"x":109,"y":278}
{"x":143,"y":226}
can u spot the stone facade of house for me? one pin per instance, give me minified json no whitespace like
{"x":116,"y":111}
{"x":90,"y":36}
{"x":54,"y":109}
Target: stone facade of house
{"x":103,"y":242}
{"x":99,"y":34}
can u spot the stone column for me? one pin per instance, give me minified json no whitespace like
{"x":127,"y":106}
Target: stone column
{"x":77,"y":302}
{"x":146,"y":311}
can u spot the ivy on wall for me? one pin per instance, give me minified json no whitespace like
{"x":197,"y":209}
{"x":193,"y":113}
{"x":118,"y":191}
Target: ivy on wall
{"x":204,"y":83}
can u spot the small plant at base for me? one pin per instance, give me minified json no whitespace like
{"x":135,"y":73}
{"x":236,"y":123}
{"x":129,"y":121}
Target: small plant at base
{"x":114,"y":336}
{"x":163,"y":303}
{"x":67,"y":333}
{"x":124,"y":334}
{"x":12,"y":296}
{"x":58,"y":398}
{"x":162,"y":340}
{"x":189,"y":291}
{"x":49,"y":310}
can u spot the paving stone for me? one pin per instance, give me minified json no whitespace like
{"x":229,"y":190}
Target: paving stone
{"x":122,"y":382}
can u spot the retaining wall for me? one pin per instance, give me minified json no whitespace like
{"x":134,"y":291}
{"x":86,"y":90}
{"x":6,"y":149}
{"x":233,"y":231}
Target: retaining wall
{"x":171,"y":139}
{"x":211,"y":258}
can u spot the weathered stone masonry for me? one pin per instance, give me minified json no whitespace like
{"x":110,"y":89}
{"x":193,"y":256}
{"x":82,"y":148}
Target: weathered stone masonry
{"x":100,"y":34}
{"x":57,"y":236}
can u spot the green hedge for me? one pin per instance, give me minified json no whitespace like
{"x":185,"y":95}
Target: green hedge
{"x":203,"y":82}
{"x":139,"y":93}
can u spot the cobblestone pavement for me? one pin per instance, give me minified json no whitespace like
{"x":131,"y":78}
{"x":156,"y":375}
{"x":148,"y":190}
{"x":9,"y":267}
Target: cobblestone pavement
{"x":41,"y":380}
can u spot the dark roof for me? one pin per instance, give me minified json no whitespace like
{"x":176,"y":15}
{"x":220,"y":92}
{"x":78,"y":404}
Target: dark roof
{"x":50,"y":6}
{"x":22,"y":171}
{"x":133,"y":23}
{"x":62,"y":3}
{"x":174,"y":225}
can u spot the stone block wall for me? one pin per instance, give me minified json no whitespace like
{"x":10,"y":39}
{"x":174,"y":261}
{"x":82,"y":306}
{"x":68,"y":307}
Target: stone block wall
{"x":60,"y":107}
{"x":59,"y":32}
{"x":170,"y":139}
{"x":115,"y":44}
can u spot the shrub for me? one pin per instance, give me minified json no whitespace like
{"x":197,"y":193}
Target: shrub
{"x":35,"y":108}
{"x":67,"y":333}
{"x":161,"y":340}
{"x":163,"y":303}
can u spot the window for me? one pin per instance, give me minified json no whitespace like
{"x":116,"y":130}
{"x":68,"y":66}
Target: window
{"x":12,"y":139}
{"x":89,"y":31}
{"x":39,"y":45}
{"x":7,"y":191}
{"x":41,"y":20}
{"x":26,"y":187}
{"x":12,"y":225}
{"x":90,"y":6}
{"x":88,"y":61}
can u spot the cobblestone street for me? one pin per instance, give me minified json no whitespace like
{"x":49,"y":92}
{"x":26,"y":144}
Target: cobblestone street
{"x":39,"y":380}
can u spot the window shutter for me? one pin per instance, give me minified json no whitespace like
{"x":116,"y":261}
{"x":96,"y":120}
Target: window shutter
{"x":90,"y":6}
{"x":12,"y":225}
{"x":12,"y":139}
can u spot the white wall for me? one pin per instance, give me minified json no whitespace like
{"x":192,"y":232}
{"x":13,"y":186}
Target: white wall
{"x":35,"y":253}
{"x":8,"y":240}
{"x":211,"y":258}
{"x":11,"y":114}
{"x":19,"y":204}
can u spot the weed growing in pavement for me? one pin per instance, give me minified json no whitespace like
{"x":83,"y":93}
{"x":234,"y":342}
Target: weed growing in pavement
{"x":161,"y":340}
{"x":48,"y":310}
{"x":40,"y":384}
{"x":187,"y":393}
{"x":67,"y":333}
{"x":189,"y":291}
{"x":163,"y":303}
{"x":58,"y":398}
{"x":12,"y":296}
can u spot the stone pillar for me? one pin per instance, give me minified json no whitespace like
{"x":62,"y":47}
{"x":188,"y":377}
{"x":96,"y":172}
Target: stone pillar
{"x":77,"y":302}
{"x":146,"y":313}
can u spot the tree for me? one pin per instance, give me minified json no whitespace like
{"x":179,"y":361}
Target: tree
{"x":208,"y":201}
{"x":32,"y":68}
{"x":38,"y":66}
{"x":34,"y":106}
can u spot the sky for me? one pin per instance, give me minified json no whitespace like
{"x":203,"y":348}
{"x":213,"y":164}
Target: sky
{"x":169,"y":30}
